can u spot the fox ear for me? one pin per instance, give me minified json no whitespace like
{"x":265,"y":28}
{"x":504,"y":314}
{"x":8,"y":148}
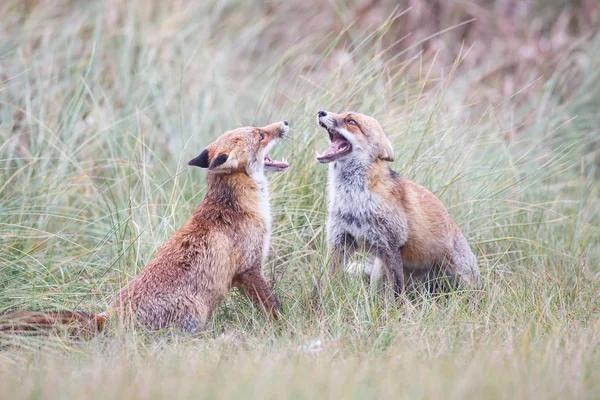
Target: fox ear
{"x":219,"y":161}
{"x":224,"y":163}
{"x":386,"y":151}
{"x":200,"y":161}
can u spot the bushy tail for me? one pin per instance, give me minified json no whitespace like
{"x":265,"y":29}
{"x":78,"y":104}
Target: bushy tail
{"x":76,"y":323}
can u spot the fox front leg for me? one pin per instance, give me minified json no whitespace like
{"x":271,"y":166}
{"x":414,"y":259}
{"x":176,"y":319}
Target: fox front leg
{"x":254,"y":284}
{"x":342,"y":248}
{"x":393,"y":261}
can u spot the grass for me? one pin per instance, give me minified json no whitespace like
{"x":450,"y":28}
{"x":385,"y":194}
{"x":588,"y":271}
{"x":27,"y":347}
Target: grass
{"x":103,"y":103}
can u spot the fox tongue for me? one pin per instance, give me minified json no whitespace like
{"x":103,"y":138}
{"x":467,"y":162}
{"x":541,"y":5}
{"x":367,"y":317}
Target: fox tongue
{"x":334,"y":147}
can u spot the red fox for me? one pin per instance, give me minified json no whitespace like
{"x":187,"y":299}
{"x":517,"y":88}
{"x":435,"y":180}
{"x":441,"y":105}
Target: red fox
{"x":222,"y":245}
{"x":403,"y":227}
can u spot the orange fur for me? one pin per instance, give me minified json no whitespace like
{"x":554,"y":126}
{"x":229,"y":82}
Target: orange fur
{"x":223,"y":244}
{"x":430,"y":227}
{"x":76,"y":323}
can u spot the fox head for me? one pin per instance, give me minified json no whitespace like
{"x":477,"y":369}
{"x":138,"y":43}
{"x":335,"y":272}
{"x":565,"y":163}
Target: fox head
{"x":354,"y":135}
{"x":244,"y":150}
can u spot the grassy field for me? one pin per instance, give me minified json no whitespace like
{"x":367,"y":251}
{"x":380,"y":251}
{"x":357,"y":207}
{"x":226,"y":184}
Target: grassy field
{"x":103,"y":103}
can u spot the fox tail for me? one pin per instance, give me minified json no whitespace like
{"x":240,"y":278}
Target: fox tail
{"x":76,"y":323}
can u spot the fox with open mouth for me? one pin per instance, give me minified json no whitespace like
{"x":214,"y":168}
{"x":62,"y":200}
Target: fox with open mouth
{"x":223,"y":244}
{"x":405,"y":229}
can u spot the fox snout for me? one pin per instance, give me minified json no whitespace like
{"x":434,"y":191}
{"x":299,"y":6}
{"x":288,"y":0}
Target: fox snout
{"x":276,"y":130}
{"x":244,"y":149}
{"x":326,"y":120}
{"x":354,"y":135}
{"x":286,"y":128}
{"x":342,"y":141}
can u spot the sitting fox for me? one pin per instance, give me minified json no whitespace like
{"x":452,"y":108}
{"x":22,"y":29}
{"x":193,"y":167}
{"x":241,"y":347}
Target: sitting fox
{"x":222,"y":245}
{"x":404,"y":227}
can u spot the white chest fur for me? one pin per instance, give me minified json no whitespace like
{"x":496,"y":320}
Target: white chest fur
{"x":351,"y":203}
{"x":264,"y":207}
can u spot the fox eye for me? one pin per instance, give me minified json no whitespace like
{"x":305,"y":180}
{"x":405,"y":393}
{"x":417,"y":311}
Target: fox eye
{"x":262,"y":136}
{"x":352,"y":122}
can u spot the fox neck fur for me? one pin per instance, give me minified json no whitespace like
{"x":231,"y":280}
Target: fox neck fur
{"x":355,"y":208}
{"x":239,"y":193}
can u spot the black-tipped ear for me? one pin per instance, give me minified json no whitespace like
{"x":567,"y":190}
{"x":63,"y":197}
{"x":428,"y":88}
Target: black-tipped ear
{"x":220,"y":160}
{"x":200,"y":161}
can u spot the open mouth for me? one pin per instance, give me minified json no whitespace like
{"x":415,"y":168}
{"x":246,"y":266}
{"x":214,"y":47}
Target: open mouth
{"x":273,"y":165}
{"x":338,"y":147}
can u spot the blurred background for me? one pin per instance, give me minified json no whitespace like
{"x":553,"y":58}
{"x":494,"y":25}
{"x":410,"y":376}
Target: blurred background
{"x":257,"y":56}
